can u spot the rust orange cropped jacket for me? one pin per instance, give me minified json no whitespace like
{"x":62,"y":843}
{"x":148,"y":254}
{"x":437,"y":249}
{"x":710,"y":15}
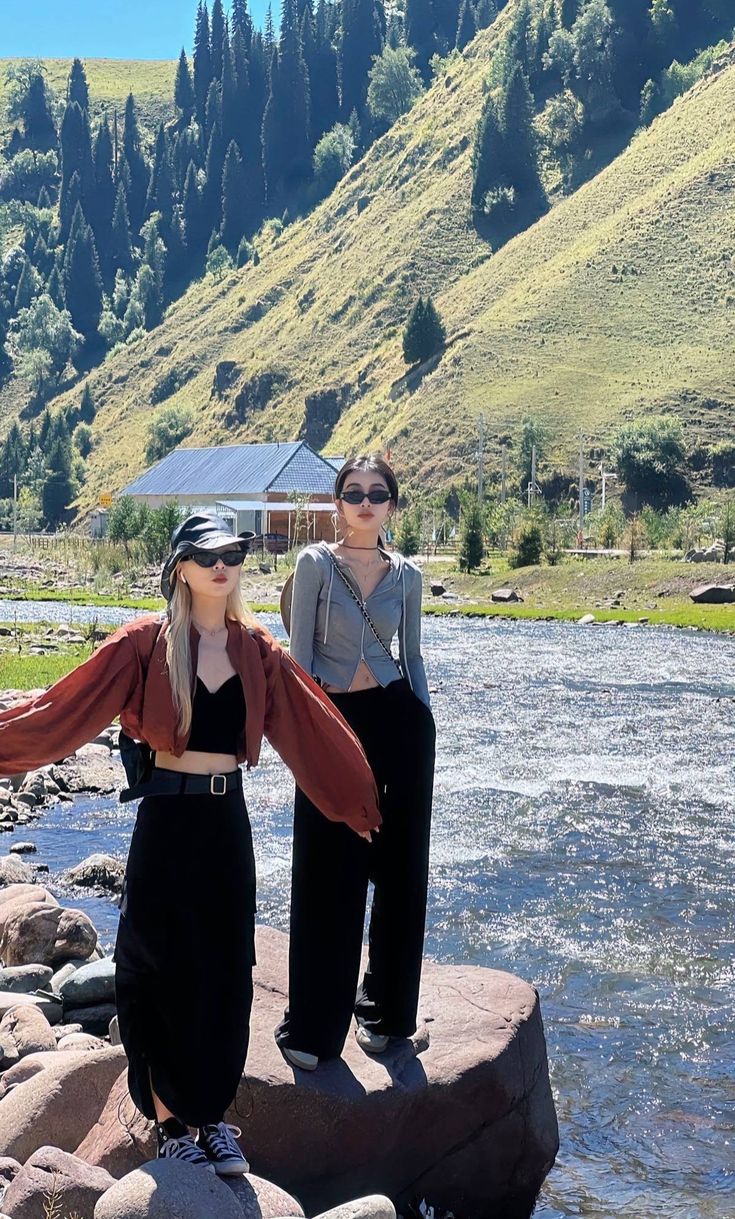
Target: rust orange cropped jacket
{"x":128,"y":676}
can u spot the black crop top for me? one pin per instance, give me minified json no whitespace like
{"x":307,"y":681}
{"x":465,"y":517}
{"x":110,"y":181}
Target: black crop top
{"x":217,"y":719}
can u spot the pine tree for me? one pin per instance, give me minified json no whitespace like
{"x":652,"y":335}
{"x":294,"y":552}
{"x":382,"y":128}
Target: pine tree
{"x":76,"y":156}
{"x":160,"y":188}
{"x":241,"y":22}
{"x":133,"y":166}
{"x":58,"y":489}
{"x":42,"y":258}
{"x":361,"y":38}
{"x":487,"y":155}
{"x":44,"y":200}
{"x":87,"y":409}
{"x":196,"y":229}
{"x":515,"y":117}
{"x":104,"y":193}
{"x":424,"y":333}
{"x":184,"y":88}
{"x":28,"y":286}
{"x":286,"y":146}
{"x":212,"y":192}
{"x":234,"y":199}
{"x":121,"y":251}
{"x":230,"y":99}
{"x":78,"y":89}
{"x":467,"y":27}
{"x":39,"y":128}
{"x":202,"y":61}
{"x":471,"y":543}
{"x":68,"y":202}
{"x":217,"y":39}
{"x":446,"y":21}
{"x":323,"y":82}
{"x":213,"y":111}
{"x":485,"y":13}
{"x":420,"y":33}
{"x":82,"y":279}
{"x":55,"y":288}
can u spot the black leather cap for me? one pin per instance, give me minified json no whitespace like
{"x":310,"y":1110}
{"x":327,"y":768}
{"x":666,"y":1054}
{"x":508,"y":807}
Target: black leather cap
{"x":200,"y":531}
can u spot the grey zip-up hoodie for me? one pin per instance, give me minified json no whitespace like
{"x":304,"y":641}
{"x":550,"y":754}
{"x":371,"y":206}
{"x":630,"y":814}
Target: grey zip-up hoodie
{"x":329,"y":634}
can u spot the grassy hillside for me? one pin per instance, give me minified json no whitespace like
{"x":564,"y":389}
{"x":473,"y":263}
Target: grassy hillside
{"x":619,"y":301}
{"x":110,"y":82}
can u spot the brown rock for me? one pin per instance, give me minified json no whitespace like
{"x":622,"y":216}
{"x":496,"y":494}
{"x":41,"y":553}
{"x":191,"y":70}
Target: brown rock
{"x":53,"y":1174}
{"x":28,"y":1030}
{"x":122,"y":1138}
{"x":98,"y":871}
{"x":55,"y":1098}
{"x":463,"y":1116}
{"x":36,"y":932}
{"x":28,"y":893}
{"x":11,"y":999}
{"x":93,"y":769}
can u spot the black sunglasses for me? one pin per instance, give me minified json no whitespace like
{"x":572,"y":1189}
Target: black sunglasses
{"x":208,"y":558}
{"x":376,"y":496}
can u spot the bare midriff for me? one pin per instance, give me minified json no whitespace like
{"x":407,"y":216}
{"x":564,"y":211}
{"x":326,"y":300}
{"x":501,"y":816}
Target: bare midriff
{"x":195,"y":762}
{"x":363,"y":680}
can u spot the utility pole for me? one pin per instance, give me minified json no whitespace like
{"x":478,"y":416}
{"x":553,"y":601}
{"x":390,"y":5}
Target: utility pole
{"x":605,"y":477}
{"x":581,"y":485}
{"x":480,"y":460}
{"x":532,"y":484}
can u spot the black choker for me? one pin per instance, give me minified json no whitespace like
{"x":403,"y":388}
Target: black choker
{"x":348,"y":547}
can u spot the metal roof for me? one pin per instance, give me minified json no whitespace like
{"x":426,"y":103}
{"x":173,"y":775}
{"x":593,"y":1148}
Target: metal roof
{"x":233,"y":469}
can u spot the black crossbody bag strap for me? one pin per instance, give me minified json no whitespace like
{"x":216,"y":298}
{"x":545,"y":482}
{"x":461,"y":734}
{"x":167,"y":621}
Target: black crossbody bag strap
{"x":365,"y":614}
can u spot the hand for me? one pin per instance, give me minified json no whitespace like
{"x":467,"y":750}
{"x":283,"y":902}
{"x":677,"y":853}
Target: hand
{"x":367,"y":834}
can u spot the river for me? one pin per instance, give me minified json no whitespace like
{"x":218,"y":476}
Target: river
{"x":583,"y":838}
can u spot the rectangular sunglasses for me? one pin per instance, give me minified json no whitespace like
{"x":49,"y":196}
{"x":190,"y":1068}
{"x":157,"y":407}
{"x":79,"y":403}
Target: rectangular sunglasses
{"x":208,"y":558}
{"x":377,"y":496}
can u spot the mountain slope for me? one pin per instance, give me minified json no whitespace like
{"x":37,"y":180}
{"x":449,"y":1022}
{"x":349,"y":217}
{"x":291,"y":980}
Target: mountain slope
{"x":621,"y":299}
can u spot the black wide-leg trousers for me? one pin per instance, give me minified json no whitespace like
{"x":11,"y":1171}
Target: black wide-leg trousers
{"x":330,"y":873}
{"x":184,"y":953}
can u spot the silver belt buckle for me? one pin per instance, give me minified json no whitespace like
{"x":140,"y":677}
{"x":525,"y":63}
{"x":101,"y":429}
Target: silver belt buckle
{"x":212,"y":788}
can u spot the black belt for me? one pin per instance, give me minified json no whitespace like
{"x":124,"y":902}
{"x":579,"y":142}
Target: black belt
{"x":163,"y":782}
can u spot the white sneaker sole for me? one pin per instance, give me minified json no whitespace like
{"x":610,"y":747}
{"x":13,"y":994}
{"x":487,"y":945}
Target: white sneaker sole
{"x":377,"y":1045}
{"x":300,"y":1059}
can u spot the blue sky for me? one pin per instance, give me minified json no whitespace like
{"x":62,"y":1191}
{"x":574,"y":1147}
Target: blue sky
{"x":105,"y":29}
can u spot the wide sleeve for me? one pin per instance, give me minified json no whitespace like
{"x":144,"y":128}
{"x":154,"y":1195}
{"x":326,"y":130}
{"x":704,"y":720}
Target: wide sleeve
{"x":304,"y":598}
{"x":72,"y":711}
{"x":409,"y":635}
{"x":316,"y":743}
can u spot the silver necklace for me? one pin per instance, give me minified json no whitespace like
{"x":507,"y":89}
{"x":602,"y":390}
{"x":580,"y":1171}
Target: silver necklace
{"x":204,"y":630}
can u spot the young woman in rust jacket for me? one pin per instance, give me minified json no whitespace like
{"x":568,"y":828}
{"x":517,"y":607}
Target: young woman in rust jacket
{"x":199,"y":688}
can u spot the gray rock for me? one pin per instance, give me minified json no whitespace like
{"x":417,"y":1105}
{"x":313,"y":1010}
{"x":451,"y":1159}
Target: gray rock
{"x":53,"y":1174}
{"x":374,"y":1206}
{"x":98,"y":871}
{"x":9,"y":1168}
{"x":92,"y":769}
{"x":62,"y":974}
{"x":261,"y":1199}
{"x":437,"y":588}
{"x":713,"y":594}
{"x":10,"y":999}
{"x":506,"y":596}
{"x":14,"y":871}
{"x":168,"y":1189}
{"x":587,"y":620}
{"x":94,"y":1019}
{"x":23,"y":848}
{"x":91,"y":983}
{"x":23,"y":979}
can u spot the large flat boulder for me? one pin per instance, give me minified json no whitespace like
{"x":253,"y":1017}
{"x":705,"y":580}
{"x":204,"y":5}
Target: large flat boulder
{"x":461,"y":1114}
{"x":713,"y":594}
{"x":54,"y":1098}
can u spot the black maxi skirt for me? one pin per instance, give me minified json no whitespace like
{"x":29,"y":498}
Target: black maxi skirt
{"x":184,"y":953}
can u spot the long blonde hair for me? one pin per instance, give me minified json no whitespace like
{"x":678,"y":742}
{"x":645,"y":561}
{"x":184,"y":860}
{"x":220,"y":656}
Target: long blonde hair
{"x":178,"y":651}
